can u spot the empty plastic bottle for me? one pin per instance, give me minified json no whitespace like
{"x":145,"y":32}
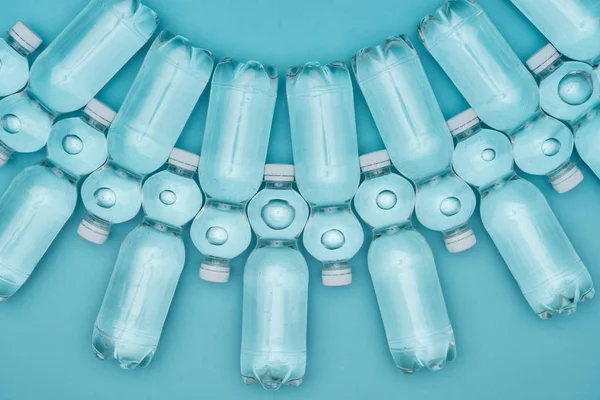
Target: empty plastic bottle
{"x":151,"y":119}
{"x":234,"y":150}
{"x":41,"y":199}
{"x":325,"y":148}
{"x":467,"y":45}
{"x":69,"y":73}
{"x":570,"y":91}
{"x":275,"y":285}
{"x":573,"y":26}
{"x":14,"y":52}
{"x":403,"y":271}
{"x":515,"y":213}
{"x":414,"y":131}
{"x":148,"y":267}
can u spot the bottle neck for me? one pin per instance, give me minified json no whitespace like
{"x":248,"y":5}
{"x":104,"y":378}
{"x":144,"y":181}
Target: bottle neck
{"x":60,"y":171}
{"x":186,"y":173}
{"x":376,"y":173}
{"x":390,"y":230}
{"x":160,"y":226}
{"x":278,"y":185}
{"x":472,"y":131}
{"x":94,"y":123}
{"x":290,"y":243}
{"x":16,"y":46}
{"x":550,"y":69}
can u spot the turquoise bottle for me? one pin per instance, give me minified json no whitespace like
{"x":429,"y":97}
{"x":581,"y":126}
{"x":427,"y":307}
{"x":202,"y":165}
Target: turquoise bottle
{"x":573,"y":26}
{"x":403,"y":271}
{"x":324,"y":143}
{"x":150,"y":262}
{"x":570,"y":91}
{"x":151,"y":119}
{"x":69,"y":73}
{"x":414,"y":131}
{"x":275,"y":285}
{"x":234,"y":150}
{"x":41,"y":199}
{"x":515,"y":213}
{"x":15,"y":49}
{"x":488,"y":73}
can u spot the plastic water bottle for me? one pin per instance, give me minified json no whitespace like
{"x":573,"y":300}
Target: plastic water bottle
{"x":234,"y":150}
{"x":573,"y":26}
{"x":148,"y":267}
{"x":41,"y":199}
{"x":570,"y":91}
{"x":275,"y":285}
{"x":71,"y":71}
{"x":14,"y":52}
{"x":325,"y":148}
{"x":151,"y":119}
{"x":403,"y":271}
{"x":467,"y":45}
{"x":414,"y":131}
{"x":515,"y":213}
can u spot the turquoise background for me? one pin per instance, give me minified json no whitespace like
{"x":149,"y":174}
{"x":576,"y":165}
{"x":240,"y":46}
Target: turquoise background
{"x":504,"y":350}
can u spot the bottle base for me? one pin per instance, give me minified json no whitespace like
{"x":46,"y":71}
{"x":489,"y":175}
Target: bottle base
{"x":564,"y":296}
{"x":273,"y":370}
{"x":129,"y":355}
{"x":432,"y":353}
{"x":8,"y":287}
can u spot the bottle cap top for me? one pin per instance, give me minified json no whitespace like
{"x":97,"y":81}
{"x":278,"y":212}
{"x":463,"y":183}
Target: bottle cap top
{"x":375,"y":160}
{"x":543,"y":58}
{"x":568,"y":180}
{"x":27,"y":38}
{"x":184,"y":160}
{"x":337,"y":277}
{"x":100,"y":112}
{"x":279,"y":172}
{"x":462,"y":122}
{"x":93,"y":233}
{"x":460,"y":242}
{"x":215,"y":274}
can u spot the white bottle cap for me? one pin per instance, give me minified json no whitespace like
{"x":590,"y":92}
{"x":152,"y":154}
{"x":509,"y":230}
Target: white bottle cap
{"x":543,"y":58}
{"x":27,"y":38}
{"x":375,"y":160}
{"x":93,"y":233}
{"x":279,"y":172}
{"x":184,"y":160}
{"x":568,"y":180}
{"x":463,"y":121}
{"x":100,"y":112}
{"x":336,"y":277}
{"x":460,"y":242}
{"x":215,"y":274}
{"x":4,"y":159}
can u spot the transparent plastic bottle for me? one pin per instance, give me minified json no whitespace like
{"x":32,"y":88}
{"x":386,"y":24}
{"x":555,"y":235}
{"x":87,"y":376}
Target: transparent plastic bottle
{"x":72,"y":70}
{"x":403,"y":271}
{"x":467,"y":45}
{"x":150,"y":262}
{"x":324,"y":142}
{"x":515,"y":213}
{"x":275,"y":285}
{"x":151,"y":119}
{"x":570,"y":91}
{"x":41,"y":199}
{"x":234,"y":150}
{"x":14,"y":52}
{"x":573,"y":26}
{"x":414,"y":131}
